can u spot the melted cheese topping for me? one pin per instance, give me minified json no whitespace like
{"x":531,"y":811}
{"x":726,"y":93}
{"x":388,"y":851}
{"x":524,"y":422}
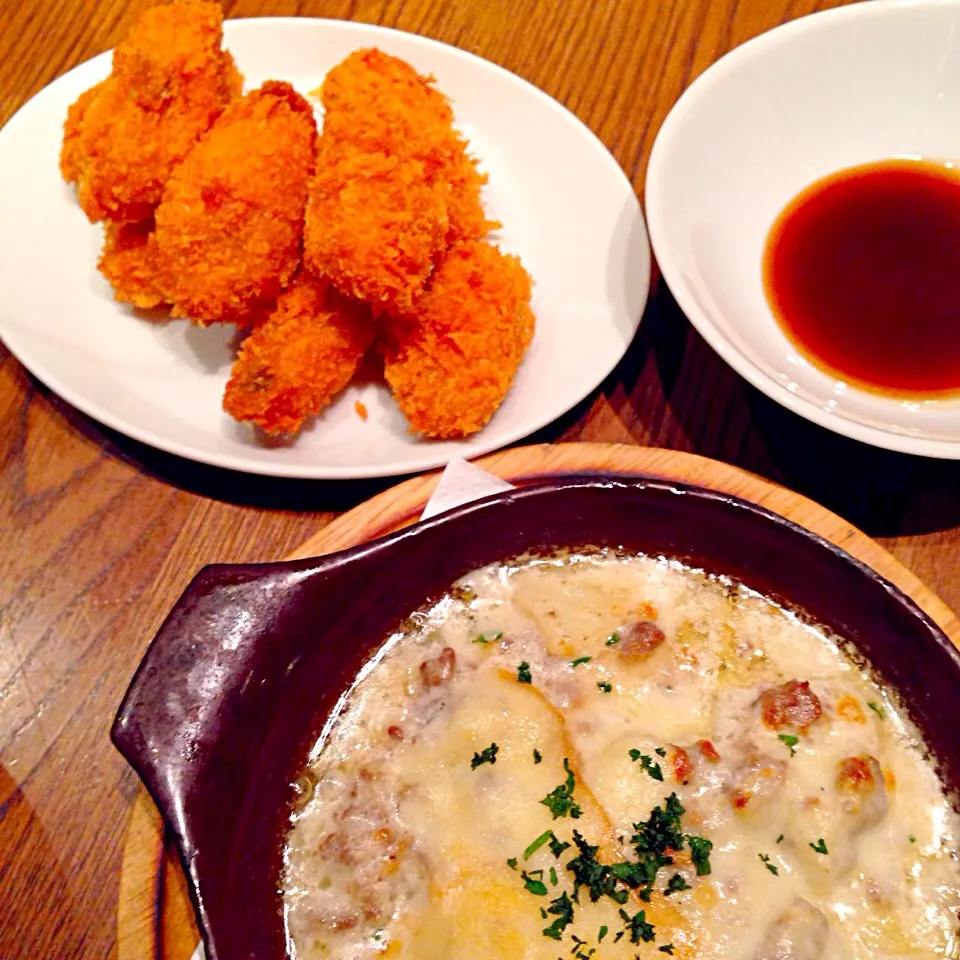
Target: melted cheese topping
{"x":831,"y":836}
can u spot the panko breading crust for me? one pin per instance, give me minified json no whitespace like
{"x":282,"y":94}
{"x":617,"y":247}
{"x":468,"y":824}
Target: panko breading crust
{"x":452,"y":364}
{"x":170,"y":81}
{"x":394,"y":187}
{"x":293,"y":364}
{"x":230,"y":225}
{"x":229,"y":208}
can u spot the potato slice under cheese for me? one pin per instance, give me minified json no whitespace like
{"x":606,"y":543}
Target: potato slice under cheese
{"x":474,"y":820}
{"x":574,"y":609}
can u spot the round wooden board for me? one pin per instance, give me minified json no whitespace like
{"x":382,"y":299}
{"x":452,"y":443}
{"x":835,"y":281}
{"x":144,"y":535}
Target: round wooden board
{"x":155,"y":918}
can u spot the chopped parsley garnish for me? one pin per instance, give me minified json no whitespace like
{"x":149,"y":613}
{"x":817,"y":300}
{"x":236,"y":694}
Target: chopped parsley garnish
{"x":523,"y":673}
{"x":487,"y":755}
{"x":537,"y":844}
{"x":537,"y":755}
{"x":512,"y":863}
{"x":578,"y":951}
{"x":533,"y":883}
{"x":641,"y":873}
{"x":700,"y":854}
{"x":604,"y":686}
{"x":560,"y":799}
{"x":653,"y":841}
{"x":666,"y":948}
{"x":579,"y":660}
{"x":647,"y":764}
{"x":676,"y":884}
{"x":562,"y":909}
{"x":481,"y":638}
{"x":819,"y":846}
{"x":790,"y":740}
{"x":637,"y":926}
{"x":659,"y":751}
{"x":589,"y":872}
{"x":878,"y":710}
{"x":912,"y":838}
{"x":558,"y":846}
{"x":661,"y":832}
{"x":613,"y":638}
{"x":772,"y":867}
{"x":780,"y":838}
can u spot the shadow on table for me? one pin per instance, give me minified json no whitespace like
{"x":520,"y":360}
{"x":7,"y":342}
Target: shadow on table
{"x":216,"y":483}
{"x":252,"y":490}
{"x":882,"y":492}
{"x":684,"y":397}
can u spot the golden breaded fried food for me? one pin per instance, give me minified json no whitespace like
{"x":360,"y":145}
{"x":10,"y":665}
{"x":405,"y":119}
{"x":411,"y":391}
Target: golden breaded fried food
{"x":230,"y":225}
{"x":374,"y":225}
{"x":170,"y":81}
{"x":371,"y":99}
{"x":127,"y":261}
{"x":395,"y":186}
{"x":451,"y":365}
{"x":299,"y":358}
{"x":380,"y":104}
{"x":73,"y":156}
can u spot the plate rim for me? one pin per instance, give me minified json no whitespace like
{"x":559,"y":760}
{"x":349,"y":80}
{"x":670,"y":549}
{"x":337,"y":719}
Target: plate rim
{"x":421,"y":457}
{"x":656,"y":218}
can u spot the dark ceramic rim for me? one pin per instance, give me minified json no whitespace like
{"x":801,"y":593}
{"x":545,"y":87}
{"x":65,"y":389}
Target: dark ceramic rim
{"x":171,"y":725}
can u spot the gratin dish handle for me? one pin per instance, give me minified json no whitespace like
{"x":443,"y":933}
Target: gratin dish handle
{"x":195,"y":687}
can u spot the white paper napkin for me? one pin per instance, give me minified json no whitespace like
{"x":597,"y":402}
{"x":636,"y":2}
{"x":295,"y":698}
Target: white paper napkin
{"x":460,"y":483}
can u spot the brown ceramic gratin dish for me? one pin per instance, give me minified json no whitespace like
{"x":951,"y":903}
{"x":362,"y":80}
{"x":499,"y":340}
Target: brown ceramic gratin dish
{"x":235,"y":687}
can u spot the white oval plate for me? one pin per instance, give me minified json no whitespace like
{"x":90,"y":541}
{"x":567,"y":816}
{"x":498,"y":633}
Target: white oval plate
{"x":863,"y":82}
{"x":567,"y":208}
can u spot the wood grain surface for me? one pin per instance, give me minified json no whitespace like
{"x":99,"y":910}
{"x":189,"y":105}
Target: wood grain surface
{"x":99,"y":535}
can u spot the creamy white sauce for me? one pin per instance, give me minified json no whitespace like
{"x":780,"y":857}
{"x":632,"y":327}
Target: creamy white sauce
{"x":401,"y":846}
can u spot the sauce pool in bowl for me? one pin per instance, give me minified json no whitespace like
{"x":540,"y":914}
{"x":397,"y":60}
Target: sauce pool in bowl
{"x":862,"y":273}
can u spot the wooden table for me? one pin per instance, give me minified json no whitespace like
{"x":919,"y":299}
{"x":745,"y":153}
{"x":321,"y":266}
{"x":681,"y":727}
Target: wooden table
{"x":98,"y":534}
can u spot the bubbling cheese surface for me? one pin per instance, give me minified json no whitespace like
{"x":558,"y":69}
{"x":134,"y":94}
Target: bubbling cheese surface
{"x":651,"y":688}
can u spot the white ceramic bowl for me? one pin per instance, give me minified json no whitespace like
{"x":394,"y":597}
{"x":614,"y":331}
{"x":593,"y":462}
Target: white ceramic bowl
{"x":871,"y":81}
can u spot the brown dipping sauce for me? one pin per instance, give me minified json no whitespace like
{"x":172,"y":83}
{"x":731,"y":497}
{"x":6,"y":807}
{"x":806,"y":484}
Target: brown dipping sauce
{"x":862,"y":271}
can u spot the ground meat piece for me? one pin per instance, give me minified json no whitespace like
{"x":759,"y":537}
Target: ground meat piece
{"x":708,"y":751}
{"x":799,"y":933}
{"x":639,"y":639}
{"x":440,"y":669}
{"x":792,"y":704}
{"x":861,"y":784}
{"x":755,"y":781}
{"x":681,"y":763}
